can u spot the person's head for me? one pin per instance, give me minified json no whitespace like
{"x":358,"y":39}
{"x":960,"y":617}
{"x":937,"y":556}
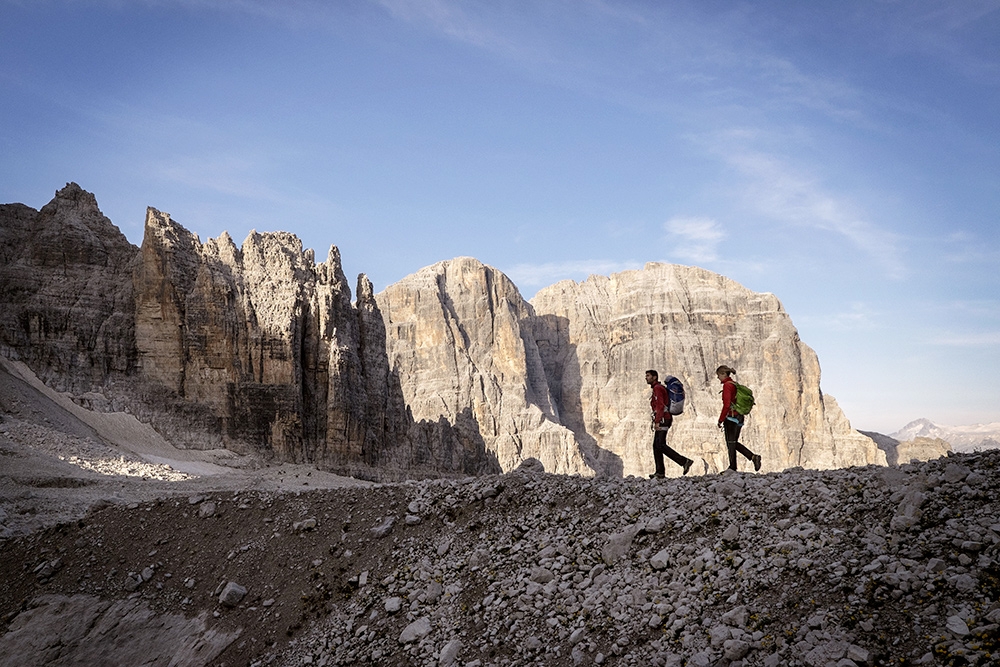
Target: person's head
{"x":652,"y":377}
{"x":722,"y":372}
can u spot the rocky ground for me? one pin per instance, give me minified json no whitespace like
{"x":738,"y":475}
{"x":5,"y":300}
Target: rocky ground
{"x":110,"y":558}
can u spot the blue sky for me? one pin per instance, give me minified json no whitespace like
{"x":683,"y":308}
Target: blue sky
{"x":844,"y":156}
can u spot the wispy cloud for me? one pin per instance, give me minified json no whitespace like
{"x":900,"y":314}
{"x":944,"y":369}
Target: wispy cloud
{"x":775,"y":189}
{"x":695,"y":239}
{"x":542,"y":275}
{"x":203,"y":157}
{"x":787,"y":84}
{"x":453,"y":21}
{"x":669,"y":53}
{"x":986,"y":339}
{"x":231,"y":175}
{"x":860,"y":317}
{"x":967,"y":248}
{"x":947,"y":31}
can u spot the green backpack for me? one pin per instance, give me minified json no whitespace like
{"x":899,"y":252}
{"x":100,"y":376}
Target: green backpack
{"x":743,"y":403}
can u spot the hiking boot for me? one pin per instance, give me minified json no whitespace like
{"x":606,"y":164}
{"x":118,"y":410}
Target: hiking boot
{"x":756,"y":462}
{"x":687,"y":466}
{"x":657,"y":475}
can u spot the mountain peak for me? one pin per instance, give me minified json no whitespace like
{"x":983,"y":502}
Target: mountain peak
{"x":961,"y":438}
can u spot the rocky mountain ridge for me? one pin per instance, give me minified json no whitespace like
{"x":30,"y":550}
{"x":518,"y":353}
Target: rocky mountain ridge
{"x":448,"y":371}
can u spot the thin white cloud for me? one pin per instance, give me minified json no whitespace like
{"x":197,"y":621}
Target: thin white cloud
{"x":683,"y":53}
{"x":542,"y":275}
{"x":987,"y":339}
{"x":453,"y":21}
{"x":783,"y":193}
{"x":695,"y":239}
{"x":203,"y":158}
{"x":789,"y":85}
{"x":967,"y":248}
{"x":951,"y":16}
{"x":230,"y":175}
{"x":860,"y":317}
{"x":941,"y":29}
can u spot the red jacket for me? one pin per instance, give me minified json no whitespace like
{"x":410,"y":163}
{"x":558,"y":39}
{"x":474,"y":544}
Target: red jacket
{"x":728,"y":396}
{"x":659,"y":403}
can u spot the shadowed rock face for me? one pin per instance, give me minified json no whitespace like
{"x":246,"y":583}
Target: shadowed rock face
{"x":268,"y":346}
{"x":253,"y":347}
{"x":449,"y":370}
{"x":243,"y":334}
{"x":917,"y":449}
{"x":65,"y":291}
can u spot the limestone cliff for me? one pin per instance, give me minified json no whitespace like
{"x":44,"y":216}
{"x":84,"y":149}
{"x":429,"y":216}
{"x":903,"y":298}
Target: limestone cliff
{"x":448,"y":371}
{"x":254,"y":347}
{"x":597,"y":338}
{"x":261,"y":341}
{"x":65,"y":291}
{"x":260,"y":347}
{"x":562,"y":379}
{"x":456,"y":340}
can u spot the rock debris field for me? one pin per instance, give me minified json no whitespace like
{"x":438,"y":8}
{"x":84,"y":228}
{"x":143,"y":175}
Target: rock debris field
{"x":859,"y":566}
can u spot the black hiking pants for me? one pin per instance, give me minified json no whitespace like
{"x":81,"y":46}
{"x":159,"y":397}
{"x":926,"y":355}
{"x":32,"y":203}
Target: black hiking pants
{"x":732,"y":430}
{"x":660,"y":447}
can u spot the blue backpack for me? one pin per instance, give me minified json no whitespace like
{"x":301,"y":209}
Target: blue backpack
{"x":675,"y":392}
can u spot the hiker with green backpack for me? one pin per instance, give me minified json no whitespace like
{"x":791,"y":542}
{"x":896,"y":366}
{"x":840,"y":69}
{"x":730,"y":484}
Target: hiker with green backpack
{"x":737,"y":401}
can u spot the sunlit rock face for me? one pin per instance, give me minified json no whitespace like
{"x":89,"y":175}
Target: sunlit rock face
{"x":598,"y":337}
{"x":457,"y":338}
{"x":463,"y":341}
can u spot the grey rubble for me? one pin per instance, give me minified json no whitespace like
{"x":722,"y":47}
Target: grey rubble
{"x":862,"y":566}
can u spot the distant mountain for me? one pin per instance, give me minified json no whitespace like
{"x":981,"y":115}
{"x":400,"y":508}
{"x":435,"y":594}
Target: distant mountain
{"x":974,"y":438}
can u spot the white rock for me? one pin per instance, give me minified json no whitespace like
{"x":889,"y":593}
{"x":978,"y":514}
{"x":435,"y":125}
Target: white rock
{"x":416,"y":630}
{"x":736,"y":617}
{"x":956,"y":625}
{"x":618,"y":545}
{"x":450,"y":653}
{"x":541,"y":575}
{"x":735,"y":649}
{"x":384,"y":528}
{"x":661,"y":560}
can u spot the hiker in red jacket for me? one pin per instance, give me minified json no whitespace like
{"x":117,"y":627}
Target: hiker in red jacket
{"x":731,"y":420}
{"x":659,"y":403}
